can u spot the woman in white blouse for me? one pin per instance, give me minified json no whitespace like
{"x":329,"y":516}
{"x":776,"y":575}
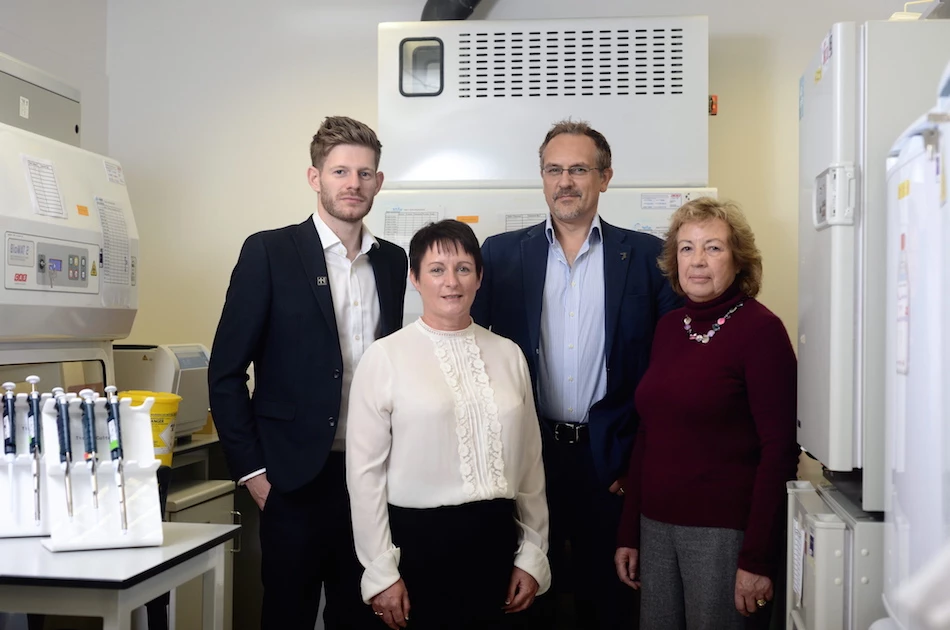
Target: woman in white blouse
{"x":443,"y":456}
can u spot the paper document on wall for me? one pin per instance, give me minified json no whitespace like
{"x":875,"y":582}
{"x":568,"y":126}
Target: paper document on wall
{"x":798,"y":559}
{"x":44,"y":187}
{"x":661,"y":201}
{"x":116,"y":267}
{"x":402,"y":224}
{"x":114,"y":172}
{"x":519,"y":220}
{"x":657,"y":228}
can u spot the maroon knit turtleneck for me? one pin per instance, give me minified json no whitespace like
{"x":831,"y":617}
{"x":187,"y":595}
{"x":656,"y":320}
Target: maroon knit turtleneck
{"x":717,"y":428}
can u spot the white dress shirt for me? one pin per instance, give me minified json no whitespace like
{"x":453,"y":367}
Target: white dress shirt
{"x":355,"y":306}
{"x":442,"y":418}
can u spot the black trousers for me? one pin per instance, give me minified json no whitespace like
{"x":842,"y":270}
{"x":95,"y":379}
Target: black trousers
{"x":585,"y":592}
{"x":306,"y":543}
{"x":456,"y":562}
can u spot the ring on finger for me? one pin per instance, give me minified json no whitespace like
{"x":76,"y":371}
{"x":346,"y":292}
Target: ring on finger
{"x":760,"y":603}
{"x":378,"y":613}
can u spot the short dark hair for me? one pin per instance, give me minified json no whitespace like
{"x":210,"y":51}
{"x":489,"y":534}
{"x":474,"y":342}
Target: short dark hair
{"x":338,"y":130}
{"x":579,"y":128}
{"x":445,"y":234}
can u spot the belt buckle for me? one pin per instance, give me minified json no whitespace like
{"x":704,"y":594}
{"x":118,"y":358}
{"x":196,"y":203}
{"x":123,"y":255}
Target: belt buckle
{"x":571,"y":437}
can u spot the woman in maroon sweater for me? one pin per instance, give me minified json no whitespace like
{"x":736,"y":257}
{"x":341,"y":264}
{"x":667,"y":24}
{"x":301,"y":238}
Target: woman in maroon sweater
{"x":704,"y":509}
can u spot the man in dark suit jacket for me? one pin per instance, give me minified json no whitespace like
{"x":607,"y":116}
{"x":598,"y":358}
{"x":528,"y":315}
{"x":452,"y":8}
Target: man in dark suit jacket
{"x":581,"y":297}
{"x":304,"y":302}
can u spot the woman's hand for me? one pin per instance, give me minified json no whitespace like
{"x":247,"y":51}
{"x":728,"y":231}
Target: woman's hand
{"x":752,"y":592}
{"x":392,"y":605}
{"x":521,"y":591}
{"x":626,"y":560}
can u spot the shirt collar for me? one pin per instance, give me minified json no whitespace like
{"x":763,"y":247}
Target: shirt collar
{"x":328,"y":237}
{"x":593,"y":236}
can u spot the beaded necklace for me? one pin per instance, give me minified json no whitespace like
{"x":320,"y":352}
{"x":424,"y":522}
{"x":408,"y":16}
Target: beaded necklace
{"x":698,"y":338}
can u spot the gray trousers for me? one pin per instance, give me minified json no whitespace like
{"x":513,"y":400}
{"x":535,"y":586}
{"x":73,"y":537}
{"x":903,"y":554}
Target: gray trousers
{"x":688,"y":577}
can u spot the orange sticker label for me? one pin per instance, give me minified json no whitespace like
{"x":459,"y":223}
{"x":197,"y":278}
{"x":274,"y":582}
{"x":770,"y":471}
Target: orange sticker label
{"x":472,"y":218}
{"x":83,"y":210}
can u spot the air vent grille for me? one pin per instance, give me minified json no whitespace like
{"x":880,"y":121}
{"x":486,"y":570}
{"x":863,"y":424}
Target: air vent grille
{"x":605,"y":62}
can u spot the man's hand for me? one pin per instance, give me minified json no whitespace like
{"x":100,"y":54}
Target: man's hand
{"x":259,"y":488}
{"x":627,"y":563}
{"x":392,"y":605}
{"x":617,"y":486}
{"x":521,"y":591}
{"x":752,"y":592}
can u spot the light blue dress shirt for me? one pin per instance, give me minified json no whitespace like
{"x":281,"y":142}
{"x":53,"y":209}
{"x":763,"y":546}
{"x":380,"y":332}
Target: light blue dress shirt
{"x":573,"y":360}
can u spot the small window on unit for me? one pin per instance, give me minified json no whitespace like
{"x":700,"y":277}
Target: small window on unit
{"x":420,"y":66}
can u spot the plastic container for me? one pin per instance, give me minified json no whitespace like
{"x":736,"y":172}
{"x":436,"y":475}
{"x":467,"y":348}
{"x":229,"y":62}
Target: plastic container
{"x":164,"y":412}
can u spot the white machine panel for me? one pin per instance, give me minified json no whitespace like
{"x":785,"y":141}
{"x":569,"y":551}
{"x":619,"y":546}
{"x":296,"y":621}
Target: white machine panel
{"x":70,"y":242}
{"x":398,"y":214}
{"x":834,"y":562}
{"x":177,"y":369}
{"x":917,"y":363}
{"x":459,"y":100}
{"x":856,"y":95}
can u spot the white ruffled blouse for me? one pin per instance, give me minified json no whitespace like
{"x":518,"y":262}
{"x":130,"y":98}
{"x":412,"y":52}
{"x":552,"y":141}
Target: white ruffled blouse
{"x":441,"y":418}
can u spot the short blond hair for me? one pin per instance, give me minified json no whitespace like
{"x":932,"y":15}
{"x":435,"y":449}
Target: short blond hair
{"x":338,"y":130}
{"x":745,"y":253}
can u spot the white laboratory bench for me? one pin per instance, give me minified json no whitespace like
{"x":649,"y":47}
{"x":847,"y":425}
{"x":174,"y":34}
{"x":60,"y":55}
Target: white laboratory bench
{"x":111,"y":583}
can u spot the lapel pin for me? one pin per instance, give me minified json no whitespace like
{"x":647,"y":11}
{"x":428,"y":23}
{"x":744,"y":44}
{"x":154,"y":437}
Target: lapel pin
{"x":623,"y":255}
{"x":321,"y":281}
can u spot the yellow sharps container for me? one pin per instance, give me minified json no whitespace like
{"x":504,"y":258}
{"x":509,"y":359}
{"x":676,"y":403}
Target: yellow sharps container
{"x":163,"y":413}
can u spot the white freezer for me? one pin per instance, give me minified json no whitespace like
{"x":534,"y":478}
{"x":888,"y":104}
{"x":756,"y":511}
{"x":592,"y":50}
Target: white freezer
{"x":917,"y":363}
{"x":856,"y":95}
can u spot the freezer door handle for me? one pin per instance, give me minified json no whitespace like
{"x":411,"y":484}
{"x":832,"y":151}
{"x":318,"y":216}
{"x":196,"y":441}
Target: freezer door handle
{"x":834,"y":196}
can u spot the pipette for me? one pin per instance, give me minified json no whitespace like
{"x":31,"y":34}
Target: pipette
{"x":65,"y":444}
{"x":9,"y":437}
{"x":36,"y":442}
{"x":115,"y":446}
{"x":88,"y":406}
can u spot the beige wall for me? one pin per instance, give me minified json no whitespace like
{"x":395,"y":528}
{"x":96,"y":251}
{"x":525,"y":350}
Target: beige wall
{"x":212,"y":105}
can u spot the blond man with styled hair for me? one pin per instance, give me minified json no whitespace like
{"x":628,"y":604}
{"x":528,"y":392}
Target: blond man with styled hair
{"x":304,"y":303}
{"x":701,"y":532}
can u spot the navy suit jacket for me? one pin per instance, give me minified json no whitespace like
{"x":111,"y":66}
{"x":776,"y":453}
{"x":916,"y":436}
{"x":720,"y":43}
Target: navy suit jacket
{"x":636,"y":294}
{"x":279,"y":315}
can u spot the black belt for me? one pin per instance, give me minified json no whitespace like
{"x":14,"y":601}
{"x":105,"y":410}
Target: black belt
{"x":569,"y":432}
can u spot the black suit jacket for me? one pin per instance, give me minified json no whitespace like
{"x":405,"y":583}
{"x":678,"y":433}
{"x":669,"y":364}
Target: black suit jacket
{"x":278,"y":314}
{"x":636,"y":294}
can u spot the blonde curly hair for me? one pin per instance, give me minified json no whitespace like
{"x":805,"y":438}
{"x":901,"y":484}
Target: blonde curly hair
{"x":745,"y":254}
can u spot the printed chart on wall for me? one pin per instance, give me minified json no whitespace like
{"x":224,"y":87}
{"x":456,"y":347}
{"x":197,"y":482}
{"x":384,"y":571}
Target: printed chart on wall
{"x":116,"y":270}
{"x":114,"y":172}
{"x":402,"y":223}
{"x":660,"y":206}
{"x":44,"y":187}
{"x":519,"y":220}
